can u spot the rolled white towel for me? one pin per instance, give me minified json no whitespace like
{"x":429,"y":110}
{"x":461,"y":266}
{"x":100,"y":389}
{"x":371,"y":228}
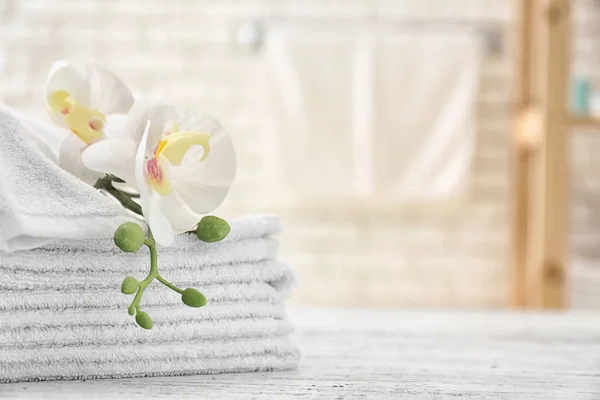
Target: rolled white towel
{"x":40,"y":202}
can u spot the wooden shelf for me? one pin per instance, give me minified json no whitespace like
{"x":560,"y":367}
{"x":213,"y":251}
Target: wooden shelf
{"x":585,"y":122}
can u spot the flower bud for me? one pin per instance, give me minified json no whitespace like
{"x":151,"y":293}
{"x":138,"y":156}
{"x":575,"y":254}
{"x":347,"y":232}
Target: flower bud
{"x":143,"y":320}
{"x":193,"y":298}
{"x":129,"y":285}
{"x":212,"y":229}
{"x":129,"y":237}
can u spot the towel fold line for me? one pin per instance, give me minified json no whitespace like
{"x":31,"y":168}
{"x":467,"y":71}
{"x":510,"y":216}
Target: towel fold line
{"x":157,"y":297}
{"x":269,"y":271}
{"x":171,"y":333}
{"x":243,"y":228}
{"x":124,"y":354}
{"x":151,"y":369}
{"x":252,"y":250}
{"x":213,"y":312}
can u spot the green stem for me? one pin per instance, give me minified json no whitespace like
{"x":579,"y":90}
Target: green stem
{"x":153,"y":274}
{"x":168,"y":284}
{"x":115,"y":179}
{"x":125,"y":200}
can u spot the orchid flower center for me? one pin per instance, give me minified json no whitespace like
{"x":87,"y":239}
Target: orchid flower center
{"x":170,"y":151}
{"x":86,"y":123}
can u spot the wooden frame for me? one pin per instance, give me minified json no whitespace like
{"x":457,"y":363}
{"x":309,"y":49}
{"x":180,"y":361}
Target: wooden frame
{"x":541,"y":127}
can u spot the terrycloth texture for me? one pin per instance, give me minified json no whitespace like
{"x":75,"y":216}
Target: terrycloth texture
{"x":40,"y":202}
{"x":43,"y":133}
{"x":62,"y":315}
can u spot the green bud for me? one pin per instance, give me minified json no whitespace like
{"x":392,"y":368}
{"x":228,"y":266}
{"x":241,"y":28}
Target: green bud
{"x":212,"y":229}
{"x":143,"y":320}
{"x":193,"y":298}
{"x":129,"y":237}
{"x":129,"y":285}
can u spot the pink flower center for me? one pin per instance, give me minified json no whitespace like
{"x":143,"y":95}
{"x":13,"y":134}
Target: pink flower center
{"x":154,"y":171}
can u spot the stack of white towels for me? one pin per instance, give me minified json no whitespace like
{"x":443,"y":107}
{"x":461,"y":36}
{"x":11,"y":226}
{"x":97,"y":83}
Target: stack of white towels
{"x":62,"y":315}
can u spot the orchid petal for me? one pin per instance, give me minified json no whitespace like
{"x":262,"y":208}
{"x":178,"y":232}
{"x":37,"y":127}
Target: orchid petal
{"x":140,"y":165}
{"x":204,"y":185}
{"x":150,"y":201}
{"x":112,"y":156}
{"x":69,"y":159}
{"x":179,"y":143}
{"x":163,"y":185}
{"x":115,"y":126}
{"x":158,"y":223}
{"x":180,"y":216}
{"x":149,"y":110}
{"x":109,"y":94}
{"x":196,"y":121}
{"x":66,"y":79}
{"x":91,"y":86}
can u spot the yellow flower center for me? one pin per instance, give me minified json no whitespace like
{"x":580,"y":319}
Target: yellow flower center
{"x":86,"y":123}
{"x":159,"y":147}
{"x":172,"y":148}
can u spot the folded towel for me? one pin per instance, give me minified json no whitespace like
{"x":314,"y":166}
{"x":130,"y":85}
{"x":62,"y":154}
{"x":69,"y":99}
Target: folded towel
{"x":62,"y":315}
{"x":45,"y":259}
{"x":73,"y":319}
{"x":44,"y":134}
{"x":195,"y":357}
{"x":101,"y":336}
{"x":275,"y":273}
{"x":247,"y":227}
{"x":156,"y":296}
{"x":40,"y":202}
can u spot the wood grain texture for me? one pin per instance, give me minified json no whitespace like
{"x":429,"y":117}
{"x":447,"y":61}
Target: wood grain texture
{"x":387,"y":354}
{"x":520,"y":156}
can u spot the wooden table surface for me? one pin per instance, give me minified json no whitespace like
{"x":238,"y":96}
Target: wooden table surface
{"x":352,"y":354}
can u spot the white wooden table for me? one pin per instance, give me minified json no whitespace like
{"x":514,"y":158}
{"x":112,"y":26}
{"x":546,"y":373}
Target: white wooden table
{"x":387,"y":354}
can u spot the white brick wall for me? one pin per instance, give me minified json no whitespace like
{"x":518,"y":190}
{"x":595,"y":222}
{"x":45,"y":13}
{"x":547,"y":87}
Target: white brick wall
{"x":348,"y":256}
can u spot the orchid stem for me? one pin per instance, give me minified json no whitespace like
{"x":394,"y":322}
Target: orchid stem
{"x":168,"y":284}
{"x":123,"y":198}
{"x":153,"y":274}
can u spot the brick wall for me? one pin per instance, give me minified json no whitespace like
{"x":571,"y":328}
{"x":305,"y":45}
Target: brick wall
{"x":357,"y":254}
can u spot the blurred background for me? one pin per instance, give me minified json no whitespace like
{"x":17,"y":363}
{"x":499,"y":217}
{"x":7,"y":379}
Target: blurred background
{"x":377,"y":129}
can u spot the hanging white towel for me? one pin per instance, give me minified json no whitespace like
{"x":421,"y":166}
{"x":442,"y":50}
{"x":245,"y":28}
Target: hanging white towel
{"x":424,"y":116}
{"x":372,"y":112}
{"x":311,"y":73}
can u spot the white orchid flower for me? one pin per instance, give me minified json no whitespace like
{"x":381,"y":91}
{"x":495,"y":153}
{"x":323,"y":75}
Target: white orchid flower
{"x":182,"y":162}
{"x":91,"y":103}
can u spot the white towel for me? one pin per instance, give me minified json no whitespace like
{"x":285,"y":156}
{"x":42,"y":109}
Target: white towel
{"x":39,"y":202}
{"x":195,"y":357}
{"x":384,"y":114}
{"x":62,"y":315}
{"x":44,"y":134}
{"x":425,"y":87}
